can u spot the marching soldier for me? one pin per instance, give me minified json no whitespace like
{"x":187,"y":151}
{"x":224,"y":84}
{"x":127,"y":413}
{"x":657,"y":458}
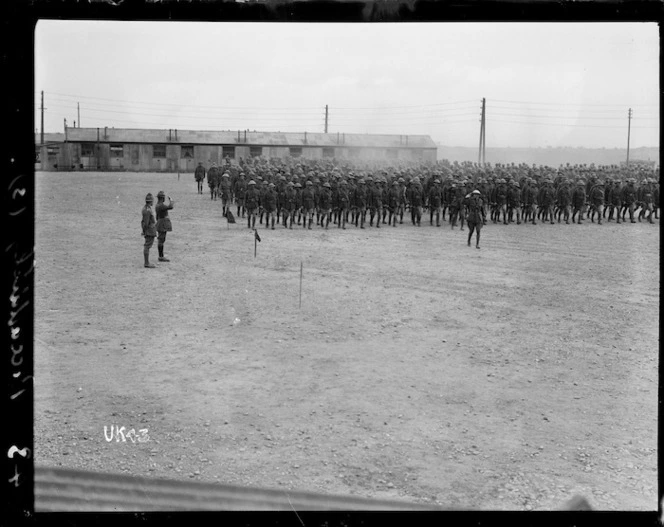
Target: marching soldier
{"x":629,"y":199}
{"x":239,"y":189}
{"x":578,"y":201}
{"x":435,"y":202}
{"x":376,"y":203}
{"x":597,"y":201}
{"x":563,"y":200}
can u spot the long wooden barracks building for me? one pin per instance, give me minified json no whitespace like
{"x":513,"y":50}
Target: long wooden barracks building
{"x":180,"y":150}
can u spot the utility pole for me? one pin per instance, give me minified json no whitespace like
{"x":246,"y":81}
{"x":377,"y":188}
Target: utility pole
{"x":629,"y":126}
{"x":480,"y":153}
{"x":42,"y":117}
{"x":483,"y":131}
{"x":326,"y":118}
{"x":78,"y":108}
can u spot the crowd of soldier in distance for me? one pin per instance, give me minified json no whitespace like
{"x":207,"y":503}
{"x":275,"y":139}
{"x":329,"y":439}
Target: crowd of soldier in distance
{"x":293,"y":192}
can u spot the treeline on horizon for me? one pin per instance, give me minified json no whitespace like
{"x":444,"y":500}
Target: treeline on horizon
{"x":551,"y":156}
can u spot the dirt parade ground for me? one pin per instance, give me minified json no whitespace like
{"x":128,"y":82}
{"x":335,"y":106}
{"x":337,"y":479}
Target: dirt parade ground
{"x":417,"y":368}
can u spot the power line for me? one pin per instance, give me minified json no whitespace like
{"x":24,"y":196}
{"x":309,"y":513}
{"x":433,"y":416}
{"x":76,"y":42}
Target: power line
{"x":571,"y":104}
{"x":568,"y":125}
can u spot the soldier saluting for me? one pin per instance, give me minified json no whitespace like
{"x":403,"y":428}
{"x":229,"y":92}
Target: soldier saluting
{"x":163,"y":222}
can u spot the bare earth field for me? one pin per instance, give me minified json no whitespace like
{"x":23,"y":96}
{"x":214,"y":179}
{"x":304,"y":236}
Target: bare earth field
{"x":417,"y":369}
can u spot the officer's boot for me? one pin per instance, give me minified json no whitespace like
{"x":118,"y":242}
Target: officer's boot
{"x":461,"y":221}
{"x":272,"y":222}
{"x":518,"y":219}
{"x":401,"y":219}
{"x":162,"y":258}
{"x":343,"y":220}
{"x":437,"y":219}
{"x":253,"y":222}
{"x":650,"y":217}
{"x":378,"y":221}
{"x":477,"y":241}
{"x":470,"y":235}
{"x":362,"y":217}
{"x":318,"y":218}
{"x":249,"y":221}
{"x":146,"y":258}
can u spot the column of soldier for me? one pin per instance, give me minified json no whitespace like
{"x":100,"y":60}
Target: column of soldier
{"x":295,"y":192}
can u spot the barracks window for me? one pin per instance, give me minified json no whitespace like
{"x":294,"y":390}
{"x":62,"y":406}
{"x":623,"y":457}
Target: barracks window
{"x":255,"y":151}
{"x":295,"y":151}
{"x":228,"y":151}
{"x":187,"y":151}
{"x":158,"y":150}
{"x":87,"y":149}
{"x":328,"y":152}
{"x":117,"y":150}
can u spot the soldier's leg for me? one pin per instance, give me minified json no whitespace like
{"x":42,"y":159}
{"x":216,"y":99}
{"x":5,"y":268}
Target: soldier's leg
{"x":503,"y":209}
{"x":477,"y":238}
{"x":437,"y":217}
{"x":311,"y":219}
{"x":363,"y":217}
{"x":149,"y":240}
{"x":600,"y":210}
{"x":551,"y":215}
{"x":631,"y":213}
{"x":518,"y":216}
{"x":567,"y":215}
{"x":161,"y":240}
{"x":430,"y":215}
{"x":317,"y":217}
{"x":471,"y":228}
{"x":650,"y":211}
{"x":401,"y":208}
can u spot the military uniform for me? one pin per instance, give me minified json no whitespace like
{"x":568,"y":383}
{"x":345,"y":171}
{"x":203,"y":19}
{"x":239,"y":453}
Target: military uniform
{"x":148,"y":229}
{"x":199,"y":176}
{"x":435,"y":201}
{"x":476,"y":215}
{"x":163,"y":223}
{"x":251,"y":202}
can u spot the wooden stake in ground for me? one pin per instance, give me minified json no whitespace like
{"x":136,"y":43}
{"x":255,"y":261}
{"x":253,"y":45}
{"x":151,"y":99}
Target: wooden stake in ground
{"x":300,"y":285}
{"x":257,"y":238}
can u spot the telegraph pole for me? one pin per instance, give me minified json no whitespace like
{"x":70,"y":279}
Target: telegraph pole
{"x":42,"y":117}
{"x":480,"y":153}
{"x":629,"y":126}
{"x":483,"y":131}
{"x":326,"y":118}
{"x":78,"y":108}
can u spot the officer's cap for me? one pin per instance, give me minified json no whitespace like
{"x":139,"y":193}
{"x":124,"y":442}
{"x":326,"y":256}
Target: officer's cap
{"x":161,"y":194}
{"x":149,"y":197}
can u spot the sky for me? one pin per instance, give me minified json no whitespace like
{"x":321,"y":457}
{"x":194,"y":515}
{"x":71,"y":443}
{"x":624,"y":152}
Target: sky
{"x":545,"y":84}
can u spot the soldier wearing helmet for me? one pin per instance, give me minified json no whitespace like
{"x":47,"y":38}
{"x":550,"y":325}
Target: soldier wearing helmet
{"x":629,"y":199}
{"x":149,"y":229}
{"x":578,"y":201}
{"x":308,"y":203}
{"x":325,"y":205}
{"x":513,"y":198}
{"x":213,"y":180}
{"x":225,"y":191}
{"x":375,"y":202}
{"x":415,"y":197}
{"x":239,"y":190}
{"x":251,"y":202}
{"x":163,"y":222}
{"x":596,"y":201}
{"x":435,"y":200}
{"x":288,"y":200}
{"x":475,"y":215}
{"x":360,"y":203}
{"x":269,"y":202}
{"x":564,"y":200}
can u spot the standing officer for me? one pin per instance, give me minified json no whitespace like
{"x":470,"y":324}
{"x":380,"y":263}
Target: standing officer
{"x":163,"y":222}
{"x":199,"y":175}
{"x":148,"y":226}
{"x":225,"y":188}
{"x":239,"y":189}
{"x":213,"y":181}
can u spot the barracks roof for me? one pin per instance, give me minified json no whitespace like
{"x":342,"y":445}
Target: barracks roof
{"x":229,"y":137}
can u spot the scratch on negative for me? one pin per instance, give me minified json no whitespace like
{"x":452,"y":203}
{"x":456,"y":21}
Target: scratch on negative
{"x":296,"y":514}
